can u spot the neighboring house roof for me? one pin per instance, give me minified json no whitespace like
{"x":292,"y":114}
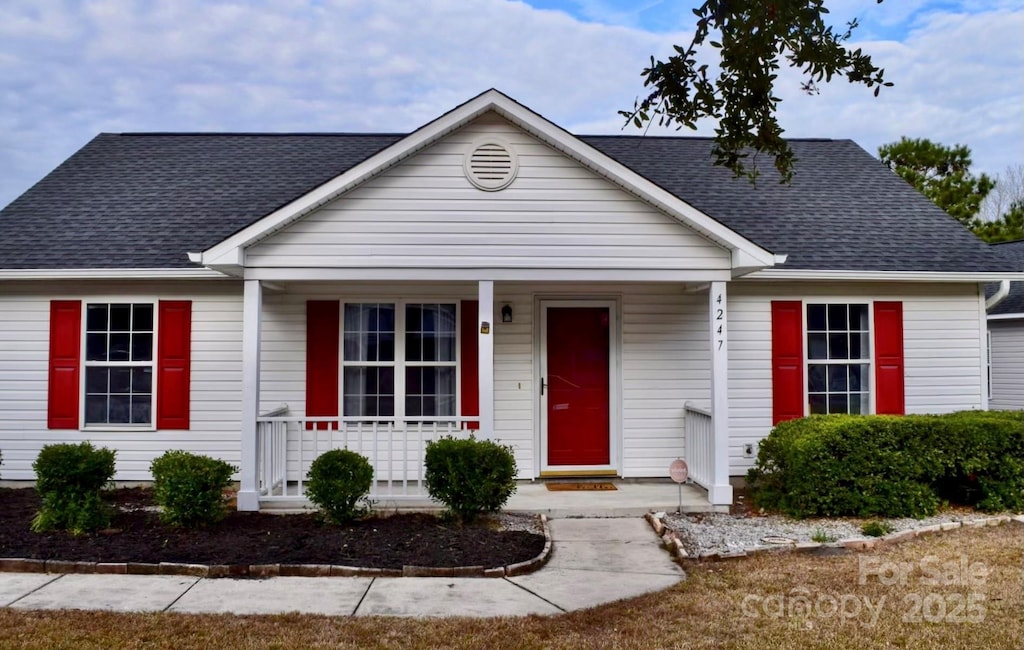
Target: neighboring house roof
{"x":145,"y":200}
{"x":1014,"y":302}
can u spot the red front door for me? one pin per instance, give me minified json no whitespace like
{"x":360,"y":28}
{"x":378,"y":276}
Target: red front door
{"x":577,"y":385}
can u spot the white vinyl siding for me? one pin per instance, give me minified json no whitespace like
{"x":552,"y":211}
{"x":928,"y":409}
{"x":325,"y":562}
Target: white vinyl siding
{"x":424,"y":212}
{"x":943,"y":339}
{"x":1007,"y":364}
{"x":216,"y":375}
{"x":664,"y":359}
{"x":666,"y":363}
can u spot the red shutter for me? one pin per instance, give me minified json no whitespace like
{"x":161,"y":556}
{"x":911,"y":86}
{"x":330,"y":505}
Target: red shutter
{"x":889,"y":358}
{"x":65,"y":352}
{"x":787,"y":360}
{"x":173,"y":364}
{"x":323,"y":326}
{"x":469,"y":358}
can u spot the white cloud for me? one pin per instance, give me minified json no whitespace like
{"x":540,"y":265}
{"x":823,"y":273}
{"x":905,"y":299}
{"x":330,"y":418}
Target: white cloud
{"x":71,"y":69}
{"x":957,"y":80}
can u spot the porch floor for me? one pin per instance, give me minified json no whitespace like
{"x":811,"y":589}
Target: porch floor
{"x":633,"y":498}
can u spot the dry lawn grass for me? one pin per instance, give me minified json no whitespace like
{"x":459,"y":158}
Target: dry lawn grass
{"x":709,"y":610}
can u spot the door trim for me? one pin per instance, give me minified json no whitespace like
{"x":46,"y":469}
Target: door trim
{"x":614,"y":384}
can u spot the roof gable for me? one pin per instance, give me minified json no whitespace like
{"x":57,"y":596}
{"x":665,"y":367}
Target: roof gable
{"x":426,"y":212}
{"x":229,"y":254}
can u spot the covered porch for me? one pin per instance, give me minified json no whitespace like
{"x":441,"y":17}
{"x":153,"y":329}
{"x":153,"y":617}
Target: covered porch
{"x":616,"y":319}
{"x":666,"y":378}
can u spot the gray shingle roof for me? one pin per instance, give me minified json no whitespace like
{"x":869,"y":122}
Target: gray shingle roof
{"x":145,"y":200}
{"x":1014,"y":302}
{"x":844,"y":210}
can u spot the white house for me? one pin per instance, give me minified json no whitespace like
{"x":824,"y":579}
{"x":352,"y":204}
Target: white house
{"x":603,"y":304}
{"x":1006,"y":335}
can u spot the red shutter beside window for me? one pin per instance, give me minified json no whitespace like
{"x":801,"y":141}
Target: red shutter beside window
{"x":469,"y":357}
{"x":787,"y":360}
{"x":889,"y":399}
{"x":323,"y":327}
{"x":173,"y":364}
{"x":65,"y":363}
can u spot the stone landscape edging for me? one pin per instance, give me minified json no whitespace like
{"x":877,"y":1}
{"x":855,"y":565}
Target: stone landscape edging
{"x":27,"y":565}
{"x":670,"y":540}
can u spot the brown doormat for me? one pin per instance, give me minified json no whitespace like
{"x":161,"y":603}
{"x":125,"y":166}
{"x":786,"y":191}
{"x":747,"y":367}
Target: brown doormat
{"x":581,"y":487}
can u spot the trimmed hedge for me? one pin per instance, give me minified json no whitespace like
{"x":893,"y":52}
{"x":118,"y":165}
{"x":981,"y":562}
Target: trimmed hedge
{"x":337,"y":481}
{"x":891,"y":466}
{"x":69,"y":479}
{"x":190,"y":488}
{"x":469,"y":476}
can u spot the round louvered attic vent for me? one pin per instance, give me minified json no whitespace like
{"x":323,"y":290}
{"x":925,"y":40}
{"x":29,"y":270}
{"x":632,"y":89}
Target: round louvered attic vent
{"x":491,"y":164}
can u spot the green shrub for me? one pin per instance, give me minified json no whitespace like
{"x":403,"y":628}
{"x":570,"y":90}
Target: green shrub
{"x":891,"y":466}
{"x":876,"y":528}
{"x":843,"y":465}
{"x":338,"y":480}
{"x":190,"y":488}
{"x":983,"y":460}
{"x":470,"y":476}
{"x":69,"y":479}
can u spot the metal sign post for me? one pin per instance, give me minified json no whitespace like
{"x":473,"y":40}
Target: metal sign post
{"x":679,"y":472}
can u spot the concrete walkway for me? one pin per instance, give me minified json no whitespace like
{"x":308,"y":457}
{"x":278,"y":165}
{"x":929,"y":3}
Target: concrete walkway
{"x":594,"y":561}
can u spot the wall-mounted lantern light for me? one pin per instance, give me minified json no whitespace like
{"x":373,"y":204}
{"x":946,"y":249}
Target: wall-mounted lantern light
{"x":506,"y":313}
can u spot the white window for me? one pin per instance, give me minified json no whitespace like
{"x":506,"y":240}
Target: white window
{"x":119,"y":364}
{"x":430,"y":340}
{"x":838,"y":358}
{"x":399,"y":360}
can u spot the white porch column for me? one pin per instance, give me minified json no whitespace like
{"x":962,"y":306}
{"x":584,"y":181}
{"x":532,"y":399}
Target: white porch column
{"x":252,"y":308}
{"x":485,"y":368}
{"x":720,"y":492}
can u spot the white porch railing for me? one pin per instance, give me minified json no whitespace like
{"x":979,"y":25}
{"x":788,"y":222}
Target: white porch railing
{"x":700,"y":445}
{"x":286,"y":446}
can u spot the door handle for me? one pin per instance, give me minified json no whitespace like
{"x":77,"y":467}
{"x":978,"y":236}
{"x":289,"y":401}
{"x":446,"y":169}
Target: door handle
{"x":542,"y":386}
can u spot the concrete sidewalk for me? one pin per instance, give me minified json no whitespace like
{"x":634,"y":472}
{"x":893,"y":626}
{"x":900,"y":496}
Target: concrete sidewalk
{"x":594,"y":561}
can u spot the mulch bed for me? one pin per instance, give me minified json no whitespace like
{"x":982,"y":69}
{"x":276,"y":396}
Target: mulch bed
{"x":136,"y":535}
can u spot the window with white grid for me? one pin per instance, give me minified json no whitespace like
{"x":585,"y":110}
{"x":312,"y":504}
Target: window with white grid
{"x":430,"y":360}
{"x":838,"y":358}
{"x":119,"y":363}
{"x":399,"y":360}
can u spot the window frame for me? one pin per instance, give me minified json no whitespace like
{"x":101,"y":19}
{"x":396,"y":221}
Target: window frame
{"x":400,"y":418}
{"x":988,"y":361}
{"x":85,"y":363}
{"x":869,"y":362}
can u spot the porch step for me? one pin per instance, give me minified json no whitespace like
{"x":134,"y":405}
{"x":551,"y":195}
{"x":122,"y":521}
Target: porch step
{"x":631,"y":499}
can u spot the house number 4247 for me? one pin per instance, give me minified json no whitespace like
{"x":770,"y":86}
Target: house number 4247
{"x":719,"y":322}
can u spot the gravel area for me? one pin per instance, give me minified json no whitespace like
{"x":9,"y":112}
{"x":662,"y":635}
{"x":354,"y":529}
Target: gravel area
{"x":518,"y":521}
{"x":721,"y":533}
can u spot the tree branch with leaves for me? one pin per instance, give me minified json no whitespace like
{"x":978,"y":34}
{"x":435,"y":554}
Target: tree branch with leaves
{"x":752,"y":39}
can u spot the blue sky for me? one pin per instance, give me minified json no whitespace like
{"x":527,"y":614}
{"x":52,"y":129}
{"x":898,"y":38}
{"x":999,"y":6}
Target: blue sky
{"x":70,"y":69}
{"x":891,"y":20}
